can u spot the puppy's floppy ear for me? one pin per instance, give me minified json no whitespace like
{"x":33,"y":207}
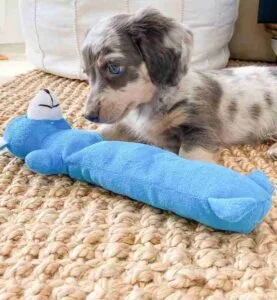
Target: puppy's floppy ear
{"x":164,"y":45}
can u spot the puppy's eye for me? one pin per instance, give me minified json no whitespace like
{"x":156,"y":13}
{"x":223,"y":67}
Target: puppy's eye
{"x":114,"y":69}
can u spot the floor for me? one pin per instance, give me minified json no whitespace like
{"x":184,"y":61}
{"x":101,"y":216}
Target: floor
{"x":16,"y":63}
{"x":63,"y":239}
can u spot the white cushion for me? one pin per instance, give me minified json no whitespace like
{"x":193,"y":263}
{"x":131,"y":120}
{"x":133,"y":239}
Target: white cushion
{"x":54,"y":30}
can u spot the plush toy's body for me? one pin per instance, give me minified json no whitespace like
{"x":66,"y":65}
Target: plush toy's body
{"x":210,"y":194}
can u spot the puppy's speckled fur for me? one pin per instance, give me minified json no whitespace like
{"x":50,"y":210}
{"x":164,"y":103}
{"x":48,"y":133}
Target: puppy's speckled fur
{"x":159,"y":100}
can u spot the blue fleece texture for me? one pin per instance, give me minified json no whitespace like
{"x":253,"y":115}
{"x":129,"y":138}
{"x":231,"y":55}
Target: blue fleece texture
{"x":210,"y":194}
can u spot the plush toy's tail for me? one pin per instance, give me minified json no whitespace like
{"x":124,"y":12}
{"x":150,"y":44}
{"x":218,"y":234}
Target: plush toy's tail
{"x":261,"y":179}
{"x":3,"y":143}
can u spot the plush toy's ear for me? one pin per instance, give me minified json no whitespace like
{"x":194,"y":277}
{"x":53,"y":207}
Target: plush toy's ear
{"x":233,"y":209}
{"x":44,"y":106}
{"x":261,"y":179}
{"x":3,"y":143}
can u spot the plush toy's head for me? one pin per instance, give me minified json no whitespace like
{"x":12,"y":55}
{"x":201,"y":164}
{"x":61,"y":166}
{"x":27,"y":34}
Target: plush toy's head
{"x":25,"y":134}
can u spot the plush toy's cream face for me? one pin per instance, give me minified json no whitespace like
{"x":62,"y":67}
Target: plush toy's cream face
{"x":44,"y":106}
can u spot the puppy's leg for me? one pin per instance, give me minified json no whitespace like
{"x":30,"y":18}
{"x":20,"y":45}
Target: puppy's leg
{"x":116,"y":132}
{"x":272,"y":151}
{"x":199,"y":153}
{"x":199,"y":144}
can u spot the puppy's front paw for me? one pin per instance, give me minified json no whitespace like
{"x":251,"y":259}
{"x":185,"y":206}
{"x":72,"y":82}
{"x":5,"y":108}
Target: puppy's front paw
{"x":272,"y":152}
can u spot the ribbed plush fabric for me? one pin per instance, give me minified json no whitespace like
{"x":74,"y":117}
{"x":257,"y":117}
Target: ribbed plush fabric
{"x":207,"y":193}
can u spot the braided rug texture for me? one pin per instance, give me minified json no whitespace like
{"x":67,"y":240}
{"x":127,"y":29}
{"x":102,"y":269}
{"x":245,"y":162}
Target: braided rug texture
{"x":64,"y":239}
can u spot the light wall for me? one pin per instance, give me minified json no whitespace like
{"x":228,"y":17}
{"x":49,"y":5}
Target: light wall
{"x":10,"y":27}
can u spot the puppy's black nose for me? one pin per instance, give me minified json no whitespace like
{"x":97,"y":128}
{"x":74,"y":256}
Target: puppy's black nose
{"x":46,"y":91}
{"x":93,"y":117}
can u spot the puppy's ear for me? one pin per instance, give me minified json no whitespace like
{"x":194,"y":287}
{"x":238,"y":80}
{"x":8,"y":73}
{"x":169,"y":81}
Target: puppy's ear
{"x":164,"y":45}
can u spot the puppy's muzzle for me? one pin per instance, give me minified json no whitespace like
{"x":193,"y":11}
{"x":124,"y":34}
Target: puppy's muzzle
{"x":92,"y":109}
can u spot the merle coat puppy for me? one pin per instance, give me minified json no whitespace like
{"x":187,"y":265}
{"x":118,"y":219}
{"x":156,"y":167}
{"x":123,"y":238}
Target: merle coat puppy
{"x":141,"y":84}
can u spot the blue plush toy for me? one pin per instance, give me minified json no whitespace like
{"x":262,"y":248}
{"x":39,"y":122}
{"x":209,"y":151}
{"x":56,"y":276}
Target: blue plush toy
{"x":208,"y":193}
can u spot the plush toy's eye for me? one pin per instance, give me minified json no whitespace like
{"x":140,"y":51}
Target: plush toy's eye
{"x":114,"y":69}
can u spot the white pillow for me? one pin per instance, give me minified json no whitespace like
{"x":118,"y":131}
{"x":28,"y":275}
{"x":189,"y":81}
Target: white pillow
{"x":54,"y":30}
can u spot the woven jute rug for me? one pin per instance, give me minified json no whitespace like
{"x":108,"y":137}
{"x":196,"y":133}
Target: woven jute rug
{"x":64,"y":239}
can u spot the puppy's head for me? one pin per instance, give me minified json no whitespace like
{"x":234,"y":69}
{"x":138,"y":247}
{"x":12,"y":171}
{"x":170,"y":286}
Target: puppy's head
{"x":127,"y":57}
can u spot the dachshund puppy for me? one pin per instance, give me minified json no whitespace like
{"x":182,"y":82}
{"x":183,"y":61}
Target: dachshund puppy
{"x":142,"y":86}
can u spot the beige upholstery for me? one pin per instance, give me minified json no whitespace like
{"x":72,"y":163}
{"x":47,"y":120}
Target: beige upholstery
{"x":250,"y":40}
{"x":55,"y":30}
